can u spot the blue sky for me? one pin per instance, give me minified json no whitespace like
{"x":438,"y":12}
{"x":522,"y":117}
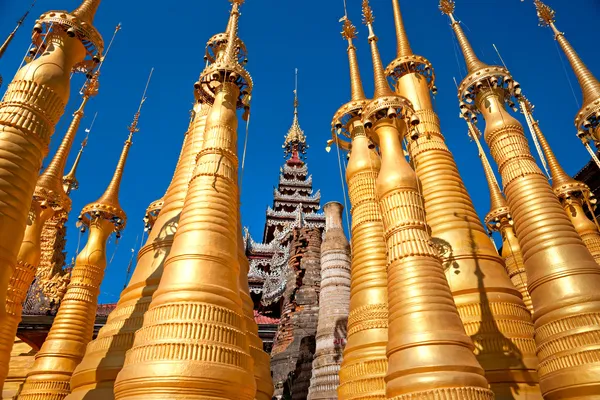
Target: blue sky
{"x":281,"y":36}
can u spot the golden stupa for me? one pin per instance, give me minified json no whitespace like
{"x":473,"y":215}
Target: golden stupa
{"x":435,"y":311}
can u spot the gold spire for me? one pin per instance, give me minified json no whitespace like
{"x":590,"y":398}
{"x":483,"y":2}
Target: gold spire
{"x":381,"y":85}
{"x":51,"y":179}
{"x":87,"y":10}
{"x":588,"y":82}
{"x":232,"y":31}
{"x":496,"y":197}
{"x":401,"y":37}
{"x":70,"y":181}
{"x":13,"y":33}
{"x":109,"y":201}
{"x":559,"y":176}
{"x":473,"y":63}
{"x":356,"y":85}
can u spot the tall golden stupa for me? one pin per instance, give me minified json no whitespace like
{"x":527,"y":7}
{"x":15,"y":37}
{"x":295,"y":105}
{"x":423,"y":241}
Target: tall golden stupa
{"x":435,"y":312}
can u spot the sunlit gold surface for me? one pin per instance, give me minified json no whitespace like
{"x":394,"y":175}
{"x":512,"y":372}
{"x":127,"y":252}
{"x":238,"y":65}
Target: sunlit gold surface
{"x":49,"y":197}
{"x":193,"y":343}
{"x":28,"y":260}
{"x":94,"y":377}
{"x":364,"y":365}
{"x":429,"y":354}
{"x":562,"y":275}
{"x":573,"y":195}
{"x":587,"y":119}
{"x":492,"y":312}
{"x":499,"y":219}
{"x":73,"y":325}
{"x":31,"y":107}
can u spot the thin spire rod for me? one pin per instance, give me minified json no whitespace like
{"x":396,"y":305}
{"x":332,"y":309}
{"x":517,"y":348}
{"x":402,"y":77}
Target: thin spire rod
{"x":133,"y":128}
{"x":296,"y":104}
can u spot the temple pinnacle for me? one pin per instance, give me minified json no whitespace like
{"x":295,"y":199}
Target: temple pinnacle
{"x":381,"y":85}
{"x":295,"y":140}
{"x":356,"y":85}
{"x":473,"y":63}
{"x":590,"y":86}
{"x":403,"y":44}
{"x":108,"y":203}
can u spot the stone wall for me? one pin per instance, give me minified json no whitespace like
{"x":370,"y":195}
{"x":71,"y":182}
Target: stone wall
{"x":294,"y":347}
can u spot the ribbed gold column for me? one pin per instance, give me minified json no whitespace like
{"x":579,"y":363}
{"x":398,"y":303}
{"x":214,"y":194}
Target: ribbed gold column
{"x":193,"y":344}
{"x":499,"y":219}
{"x":490,"y":306}
{"x":49,"y":200}
{"x":555,"y":258}
{"x":29,"y":111}
{"x":28,"y":260}
{"x":563,"y":276}
{"x":429,"y":354}
{"x":364,"y":365}
{"x":262,"y":360}
{"x":73,"y":325}
{"x":94,"y":378}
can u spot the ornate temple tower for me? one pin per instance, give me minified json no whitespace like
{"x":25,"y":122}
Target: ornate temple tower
{"x":193,"y":343}
{"x":291,"y":277}
{"x":295,"y":342}
{"x":334,"y":305}
{"x":573,"y":195}
{"x":11,"y":36}
{"x":73,"y":326}
{"x":499,"y":219}
{"x":489,"y":305}
{"x":49,"y":199}
{"x":364,"y":363}
{"x":587,"y":120}
{"x":562,"y":275}
{"x":429,"y":354}
{"x":31,"y":107}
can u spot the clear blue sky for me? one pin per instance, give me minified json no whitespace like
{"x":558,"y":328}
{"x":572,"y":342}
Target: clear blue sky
{"x":280,"y":36}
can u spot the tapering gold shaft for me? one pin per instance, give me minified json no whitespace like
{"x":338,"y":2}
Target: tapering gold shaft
{"x":471,"y":59}
{"x":356,"y":87}
{"x":402,"y":43}
{"x":94,"y":378}
{"x":87,"y":10}
{"x":200,"y":285}
{"x":364,"y":366}
{"x":427,"y":340}
{"x":31,"y":107}
{"x":590,"y":86}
